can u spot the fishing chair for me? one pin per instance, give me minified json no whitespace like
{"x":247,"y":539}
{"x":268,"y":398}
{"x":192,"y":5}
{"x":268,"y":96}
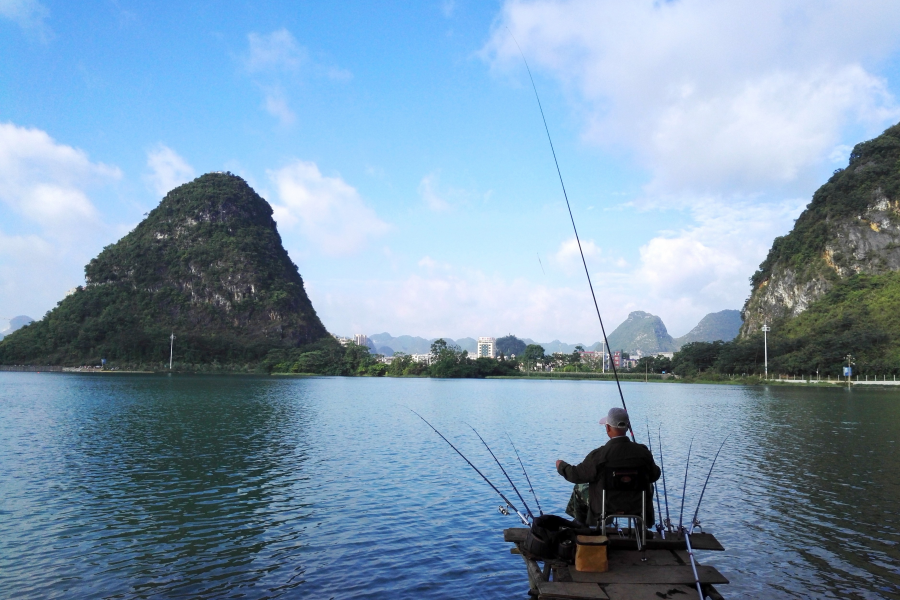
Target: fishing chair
{"x":626,"y":490}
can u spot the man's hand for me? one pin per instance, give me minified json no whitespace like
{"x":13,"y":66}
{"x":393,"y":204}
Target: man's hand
{"x":557,"y":464}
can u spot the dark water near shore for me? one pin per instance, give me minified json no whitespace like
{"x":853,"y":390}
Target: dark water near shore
{"x":241,"y":487}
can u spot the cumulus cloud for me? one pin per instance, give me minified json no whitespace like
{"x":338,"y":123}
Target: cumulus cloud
{"x":30,"y":15}
{"x":168,"y":170}
{"x":329,"y":212}
{"x":712,"y":96}
{"x":46,"y":182}
{"x":48,"y":223}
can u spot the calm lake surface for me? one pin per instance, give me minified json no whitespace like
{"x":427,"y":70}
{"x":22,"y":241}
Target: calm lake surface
{"x":243,"y":487}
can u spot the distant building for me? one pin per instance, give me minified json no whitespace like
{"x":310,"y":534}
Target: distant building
{"x":341,"y":340}
{"x":486,"y":348}
{"x":617,"y":359}
{"x":421,"y":358}
{"x":385,"y":359}
{"x":361,"y":339}
{"x":669,"y":355}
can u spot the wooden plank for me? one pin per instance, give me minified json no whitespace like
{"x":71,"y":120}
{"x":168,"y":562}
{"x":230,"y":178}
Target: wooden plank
{"x":515,"y":534}
{"x":651,"y":574}
{"x":643,"y":591}
{"x":534,"y":573}
{"x":619,"y":559}
{"x":559,"y":589}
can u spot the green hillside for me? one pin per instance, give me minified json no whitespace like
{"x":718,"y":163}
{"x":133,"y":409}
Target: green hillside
{"x":723,"y":325}
{"x":206,"y":264}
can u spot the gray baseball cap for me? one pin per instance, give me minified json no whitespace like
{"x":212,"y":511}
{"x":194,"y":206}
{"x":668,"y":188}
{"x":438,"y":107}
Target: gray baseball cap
{"x":616,"y":417}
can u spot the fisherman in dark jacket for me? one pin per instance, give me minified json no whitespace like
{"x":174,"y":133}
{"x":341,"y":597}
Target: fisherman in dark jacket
{"x":586,"y":504}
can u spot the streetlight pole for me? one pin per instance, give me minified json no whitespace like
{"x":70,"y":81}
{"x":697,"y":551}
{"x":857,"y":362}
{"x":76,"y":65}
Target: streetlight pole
{"x":766,"y":329}
{"x":171,"y":348}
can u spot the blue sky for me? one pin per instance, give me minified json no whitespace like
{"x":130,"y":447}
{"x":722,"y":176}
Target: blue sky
{"x":401,"y":147}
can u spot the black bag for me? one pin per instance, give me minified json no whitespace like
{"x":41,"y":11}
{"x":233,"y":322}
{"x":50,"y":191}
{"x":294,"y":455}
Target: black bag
{"x":552,"y":536}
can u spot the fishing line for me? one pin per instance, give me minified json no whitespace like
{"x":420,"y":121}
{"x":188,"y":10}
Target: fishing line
{"x":488,"y":481}
{"x":575,"y":229}
{"x":542,"y":265}
{"x":528,"y":479}
{"x":515,"y":489}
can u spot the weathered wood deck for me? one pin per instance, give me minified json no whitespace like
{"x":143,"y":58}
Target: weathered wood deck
{"x":666,"y":572}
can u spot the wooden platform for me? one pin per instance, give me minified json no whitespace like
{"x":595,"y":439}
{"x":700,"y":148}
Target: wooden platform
{"x":666,"y":572}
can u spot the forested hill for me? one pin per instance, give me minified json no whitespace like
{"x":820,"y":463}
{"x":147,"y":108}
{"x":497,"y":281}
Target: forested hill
{"x":206,"y":264}
{"x":851,"y":226}
{"x":641,"y":331}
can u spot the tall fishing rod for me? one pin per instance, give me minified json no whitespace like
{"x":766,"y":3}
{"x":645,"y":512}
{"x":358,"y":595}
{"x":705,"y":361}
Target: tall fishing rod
{"x":695,"y":522}
{"x":525,"y":473}
{"x":575,"y":229}
{"x":659,"y":527}
{"x":488,"y":481}
{"x":496,"y":460}
{"x":662,"y":466}
{"x":684,"y":489}
{"x":705,"y":483}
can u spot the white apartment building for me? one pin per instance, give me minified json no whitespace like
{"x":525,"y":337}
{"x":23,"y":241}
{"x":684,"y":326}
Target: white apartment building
{"x":487,"y":347}
{"x":361,"y":339}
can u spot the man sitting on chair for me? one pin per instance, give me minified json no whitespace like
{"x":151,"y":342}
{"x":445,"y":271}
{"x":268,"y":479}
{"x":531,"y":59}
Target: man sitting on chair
{"x":585,"y":505}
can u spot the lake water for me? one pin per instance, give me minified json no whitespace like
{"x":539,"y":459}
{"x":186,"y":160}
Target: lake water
{"x":245,"y":487}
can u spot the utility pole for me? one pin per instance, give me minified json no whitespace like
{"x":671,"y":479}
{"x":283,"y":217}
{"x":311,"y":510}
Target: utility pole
{"x":171,"y":348}
{"x":603,"y":348}
{"x":766,"y":329}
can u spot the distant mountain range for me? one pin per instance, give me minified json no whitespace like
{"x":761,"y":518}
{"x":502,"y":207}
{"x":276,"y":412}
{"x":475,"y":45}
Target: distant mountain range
{"x":640,"y":331}
{"x":15,"y":324}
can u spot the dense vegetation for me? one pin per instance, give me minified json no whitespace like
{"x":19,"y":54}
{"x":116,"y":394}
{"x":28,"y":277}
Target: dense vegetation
{"x":873,"y":165}
{"x":206,"y":264}
{"x":859,"y":316}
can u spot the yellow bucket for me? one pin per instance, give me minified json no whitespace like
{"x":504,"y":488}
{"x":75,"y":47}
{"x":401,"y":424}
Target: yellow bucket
{"x":590,"y":553}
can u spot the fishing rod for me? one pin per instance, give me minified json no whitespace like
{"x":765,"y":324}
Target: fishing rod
{"x":488,"y":481}
{"x":695,"y":522}
{"x":662,"y":467}
{"x":684,"y":489}
{"x":703,"y":491}
{"x":528,"y":479}
{"x":575,"y":229}
{"x":659,"y":526}
{"x":515,"y":489}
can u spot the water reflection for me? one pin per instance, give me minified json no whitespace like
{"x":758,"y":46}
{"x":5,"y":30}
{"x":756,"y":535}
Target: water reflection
{"x":139,"y":487}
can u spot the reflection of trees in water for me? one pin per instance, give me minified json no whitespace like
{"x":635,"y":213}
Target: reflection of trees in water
{"x":195,"y":478}
{"x":824,"y":486}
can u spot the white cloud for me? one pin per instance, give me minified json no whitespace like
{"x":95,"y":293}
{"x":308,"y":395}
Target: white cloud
{"x":705,"y":268}
{"x":276,"y":104}
{"x":168,"y":170}
{"x":45,"y":191}
{"x":569,"y":258}
{"x":30,"y":15}
{"x":329,"y":212}
{"x":712,"y":96}
{"x":45,"y":182}
{"x":428,"y":192}
{"x":273,"y":52}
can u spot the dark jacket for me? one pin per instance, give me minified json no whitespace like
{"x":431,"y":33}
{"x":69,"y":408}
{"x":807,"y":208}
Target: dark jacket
{"x":617,"y":452}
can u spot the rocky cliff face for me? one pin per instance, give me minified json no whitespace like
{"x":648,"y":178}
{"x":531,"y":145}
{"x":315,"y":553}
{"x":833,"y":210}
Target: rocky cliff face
{"x":852,"y":226}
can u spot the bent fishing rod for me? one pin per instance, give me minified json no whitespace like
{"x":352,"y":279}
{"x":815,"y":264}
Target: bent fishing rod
{"x":527,"y":478}
{"x":488,"y":481}
{"x":684,"y":488}
{"x":496,"y":460}
{"x":695,"y":522}
{"x":574,"y":228}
